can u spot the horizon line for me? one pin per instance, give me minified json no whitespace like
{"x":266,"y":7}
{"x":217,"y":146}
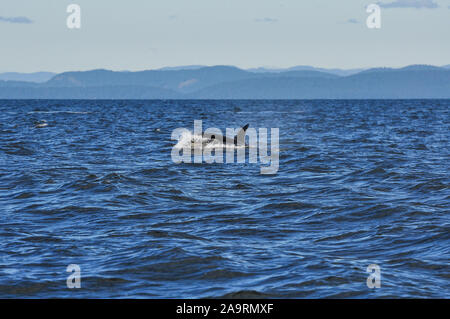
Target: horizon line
{"x":197,"y":66}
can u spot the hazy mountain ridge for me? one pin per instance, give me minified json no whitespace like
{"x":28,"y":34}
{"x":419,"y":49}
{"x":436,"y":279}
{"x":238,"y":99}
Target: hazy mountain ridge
{"x":340,"y":72}
{"x":180,"y":80}
{"x":36,"y":77}
{"x":225,"y":82}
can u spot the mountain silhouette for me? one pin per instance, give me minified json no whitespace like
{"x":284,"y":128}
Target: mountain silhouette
{"x":228,"y":82}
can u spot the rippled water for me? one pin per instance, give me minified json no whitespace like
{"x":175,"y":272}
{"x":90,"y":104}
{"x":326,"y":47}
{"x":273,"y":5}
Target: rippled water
{"x":359,"y":183}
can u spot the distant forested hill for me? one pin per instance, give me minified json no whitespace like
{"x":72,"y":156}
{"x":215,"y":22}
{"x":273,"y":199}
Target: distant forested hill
{"x":226,"y":82}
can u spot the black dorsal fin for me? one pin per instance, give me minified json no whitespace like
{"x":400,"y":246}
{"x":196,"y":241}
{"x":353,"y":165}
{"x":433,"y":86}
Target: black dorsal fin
{"x":241,"y":134}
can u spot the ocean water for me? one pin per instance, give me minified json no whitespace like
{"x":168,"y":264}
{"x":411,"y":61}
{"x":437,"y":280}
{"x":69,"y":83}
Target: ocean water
{"x":359,"y":183}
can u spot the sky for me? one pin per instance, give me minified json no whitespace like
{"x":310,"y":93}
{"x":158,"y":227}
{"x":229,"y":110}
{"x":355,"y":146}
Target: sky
{"x":142,"y":34}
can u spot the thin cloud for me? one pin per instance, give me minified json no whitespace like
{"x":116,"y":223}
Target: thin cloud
{"x":22,"y":20}
{"x":353,"y":21}
{"x":418,"y":4}
{"x":267,"y":20}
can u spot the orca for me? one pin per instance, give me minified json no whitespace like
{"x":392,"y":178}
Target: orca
{"x":208,"y":146}
{"x":239,"y":138}
{"x":210,"y":138}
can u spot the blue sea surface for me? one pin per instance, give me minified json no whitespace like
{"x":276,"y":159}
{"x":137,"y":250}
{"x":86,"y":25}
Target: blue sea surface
{"x":360,"y":182}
